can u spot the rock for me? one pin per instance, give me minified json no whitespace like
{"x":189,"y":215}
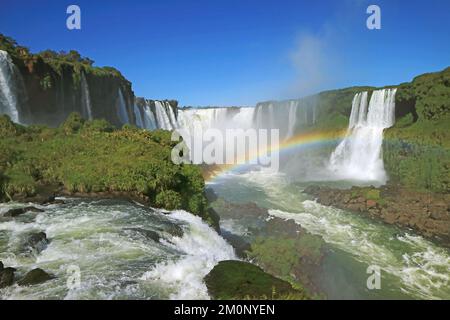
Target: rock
{"x":214,"y":219}
{"x":173,"y":229}
{"x":36,"y":241}
{"x":241,"y":247}
{"x":281,"y":227}
{"x":371,"y":203}
{"x":149,"y":234}
{"x":6,"y":277}
{"x":241,"y":280}
{"x":210,"y":195}
{"x":18,"y":211}
{"x":34,"y":276}
{"x":1,"y":266}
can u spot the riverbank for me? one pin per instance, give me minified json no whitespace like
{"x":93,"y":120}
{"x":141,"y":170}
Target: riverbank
{"x":95,"y":159}
{"x":427,"y":214}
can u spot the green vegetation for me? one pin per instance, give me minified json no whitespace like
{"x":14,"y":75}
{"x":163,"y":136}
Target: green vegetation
{"x":242,"y":280}
{"x":372,"y":194}
{"x":57,"y":60}
{"x":334,"y":108}
{"x":91,"y":156}
{"x":417,"y":149}
{"x":286,"y":257}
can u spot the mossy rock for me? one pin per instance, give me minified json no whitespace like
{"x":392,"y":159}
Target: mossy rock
{"x":242,"y":280}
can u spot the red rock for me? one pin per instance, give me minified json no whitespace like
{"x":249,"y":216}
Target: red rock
{"x":371,"y":203}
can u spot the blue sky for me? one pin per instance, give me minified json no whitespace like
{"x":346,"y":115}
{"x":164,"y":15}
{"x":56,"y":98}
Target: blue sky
{"x":238,"y":52}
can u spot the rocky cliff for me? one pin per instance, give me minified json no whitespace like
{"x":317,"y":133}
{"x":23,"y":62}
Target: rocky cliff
{"x":57,"y":84}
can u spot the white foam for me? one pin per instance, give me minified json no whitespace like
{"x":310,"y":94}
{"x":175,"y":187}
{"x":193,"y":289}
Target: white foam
{"x":202,"y":249}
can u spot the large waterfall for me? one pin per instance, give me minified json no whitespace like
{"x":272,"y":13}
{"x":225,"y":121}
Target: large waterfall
{"x":358,"y":156}
{"x":287,"y":116}
{"x":12,"y":92}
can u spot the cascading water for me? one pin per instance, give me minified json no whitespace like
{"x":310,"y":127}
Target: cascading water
{"x":122,"y":108}
{"x":292,"y":118}
{"x":86,"y":98}
{"x":11,"y":88}
{"x":162,"y":116}
{"x":137,"y":114}
{"x":358,"y":156}
{"x":171,"y":113}
{"x":149,"y":119}
{"x":124,"y":251}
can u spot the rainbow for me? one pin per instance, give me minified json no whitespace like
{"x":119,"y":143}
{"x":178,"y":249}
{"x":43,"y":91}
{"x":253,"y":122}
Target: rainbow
{"x":295,"y":143}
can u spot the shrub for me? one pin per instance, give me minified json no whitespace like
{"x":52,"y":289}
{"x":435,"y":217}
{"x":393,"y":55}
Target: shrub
{"x":169,"y":200}
{"x":73,"y":123}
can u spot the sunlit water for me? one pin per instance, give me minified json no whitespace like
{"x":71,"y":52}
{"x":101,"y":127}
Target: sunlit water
{"x":108,"y":240}
{"x":411,"y":267}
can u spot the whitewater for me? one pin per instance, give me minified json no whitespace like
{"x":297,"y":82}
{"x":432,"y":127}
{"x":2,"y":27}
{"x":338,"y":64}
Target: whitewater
{"x":113,"y":244}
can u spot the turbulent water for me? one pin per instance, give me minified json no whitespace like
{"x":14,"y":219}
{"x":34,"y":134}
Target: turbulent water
{"x":358,"y":156}
{"x":411,"y":266}
{"x":113,"y":244}
{"x":11,"y":88}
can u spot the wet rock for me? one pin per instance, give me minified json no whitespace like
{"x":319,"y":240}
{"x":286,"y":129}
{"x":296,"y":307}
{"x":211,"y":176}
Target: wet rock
{"x":238,"y":210}
{"x":6,"y":277}
{"x":33,"y":277}
{"x":18,"y":211}
{"x":214,"y":219}
{"x":36,"y":242}
{"x":281,"y":227}
{"x":241,"y":247}
{"x":210,"y":195}
{"x":173,"y":229}
{"x":149,"y":234}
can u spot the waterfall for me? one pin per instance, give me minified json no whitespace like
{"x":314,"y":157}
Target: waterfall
{"x":122,"y":108}
{"x":172,"y":118}
{"x":85,"y":98}
{"x":358,"y":156}
{"x":359,"y":110}
{"x":149,"y":118}
{"x":12,"y":89}
{"x":292,"y":118}
{"x":162,"y":116}
{"x":137,"y":114}
{"x":244,"y":118}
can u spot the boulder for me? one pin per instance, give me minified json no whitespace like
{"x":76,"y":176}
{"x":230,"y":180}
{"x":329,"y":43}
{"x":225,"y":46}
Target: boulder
{"x":149,"y":234}
{"x":36,"y":241}
{"x":371,"y":204}
{"x":6,"y":277}
{"x":172,"y":229}
{"x":242,"y":280}
{"x":18,"y":211}
{"x":34,"y":276}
